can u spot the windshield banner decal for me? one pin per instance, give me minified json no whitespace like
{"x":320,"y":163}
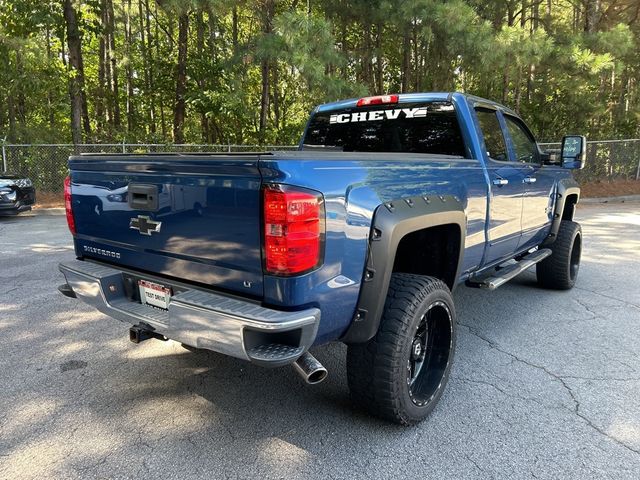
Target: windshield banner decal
{"x":376,"y":115}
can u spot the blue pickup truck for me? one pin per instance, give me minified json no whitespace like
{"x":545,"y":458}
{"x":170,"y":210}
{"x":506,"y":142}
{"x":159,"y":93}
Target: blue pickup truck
{"x":359,"y":236}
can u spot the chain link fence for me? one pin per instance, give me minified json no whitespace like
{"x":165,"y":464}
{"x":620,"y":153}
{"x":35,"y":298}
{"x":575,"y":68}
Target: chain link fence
{"x":46,"y":164}
{"x":607,"y":160}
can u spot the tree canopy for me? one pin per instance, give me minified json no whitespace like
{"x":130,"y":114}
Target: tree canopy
{"x":222,"y":71}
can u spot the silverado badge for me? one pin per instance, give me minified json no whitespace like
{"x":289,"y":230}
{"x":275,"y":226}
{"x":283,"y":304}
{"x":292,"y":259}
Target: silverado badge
{"x":145,"y":225}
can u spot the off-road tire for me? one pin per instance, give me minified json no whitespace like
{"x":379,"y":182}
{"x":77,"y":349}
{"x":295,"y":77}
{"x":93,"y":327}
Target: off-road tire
{"x":560,"y":269}
{"x":378,"y":371}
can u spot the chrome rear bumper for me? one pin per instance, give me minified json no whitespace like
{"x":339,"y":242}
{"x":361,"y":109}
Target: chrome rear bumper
{"x":199,"y":318}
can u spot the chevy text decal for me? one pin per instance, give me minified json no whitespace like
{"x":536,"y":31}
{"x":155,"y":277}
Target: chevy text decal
{"x":375,"y":115}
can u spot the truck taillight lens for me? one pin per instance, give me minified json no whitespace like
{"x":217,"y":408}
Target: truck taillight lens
{"x":67,"y":205}
{"x":293,"y":229}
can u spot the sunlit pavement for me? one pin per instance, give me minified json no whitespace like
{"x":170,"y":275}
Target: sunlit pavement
{"x":545,"y":384}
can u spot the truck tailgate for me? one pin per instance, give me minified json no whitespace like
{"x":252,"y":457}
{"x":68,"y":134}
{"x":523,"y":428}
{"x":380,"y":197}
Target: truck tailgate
{"x":202,"y":226}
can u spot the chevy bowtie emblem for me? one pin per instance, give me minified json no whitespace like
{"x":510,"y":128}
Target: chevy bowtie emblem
{"x":145,"y":225}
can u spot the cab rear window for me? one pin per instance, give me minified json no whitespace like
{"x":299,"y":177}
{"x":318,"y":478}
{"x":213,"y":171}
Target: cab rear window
{"x":405,"y":127}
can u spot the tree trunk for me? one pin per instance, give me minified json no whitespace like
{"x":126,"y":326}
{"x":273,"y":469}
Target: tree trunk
{"x":264,"y":98}
{"x":50,"y":111}
{"x":147,"y":53}
{"x":86,"y":123}
{"x":416,"y":62}
{"x":366,"y":57}
{"x":181,"y":79}
{"x":530,"y":80}
{"x":276,"y":99}
{"x":199,"y":31}
{"x":505,"y":86}
{"x":115,"y":90}
{"x":129,"y":70}
{"x":268,"y":11}
{"x":213,"y":130}
{"x":22,"y":108}
{"x":591,"y":15}
{"x":379,"y":55}
{"x":106,"y":64}
{"x":76,"y":80}
{"x":3,"y":118}
{"x":204,"y":121}
{"x":100,"y":100}
{"x":344,"y":49}
{"x":535,"y":15}
{"x":212,"y":36}
{"x":406,"y":60}
{"x":518,"y":93}
{"x":234,"y":29}
{"x":163,"y":122}
{"x":547,"y":16}
{"x":145,"y":60}
{"x":11,"y":113}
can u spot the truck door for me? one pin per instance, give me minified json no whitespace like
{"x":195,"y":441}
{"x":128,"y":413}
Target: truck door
{"x":539,"y":183}
{"x":506,"y":188}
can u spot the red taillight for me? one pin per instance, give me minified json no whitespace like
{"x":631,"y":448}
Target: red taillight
{"x":377,"y":100}
{"x":293,"y":229}
{"x":67,"y":205}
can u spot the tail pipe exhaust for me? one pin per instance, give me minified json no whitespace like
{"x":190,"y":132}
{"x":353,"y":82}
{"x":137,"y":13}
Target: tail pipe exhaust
{"x":310,"y":369}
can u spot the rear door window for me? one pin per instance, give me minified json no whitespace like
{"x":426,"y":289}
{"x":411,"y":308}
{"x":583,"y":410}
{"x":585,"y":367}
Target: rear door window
{"x":493,"y":135}
{"x":406,"y":127}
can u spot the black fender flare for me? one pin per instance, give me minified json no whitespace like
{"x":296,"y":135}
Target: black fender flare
{"x":391,"y":222}
{"x":566,"y":187}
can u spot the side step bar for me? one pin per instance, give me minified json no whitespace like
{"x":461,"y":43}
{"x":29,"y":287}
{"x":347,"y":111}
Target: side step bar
{"x":503,"y":275}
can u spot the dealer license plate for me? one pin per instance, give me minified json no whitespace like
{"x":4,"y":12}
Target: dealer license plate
{"x":154,"y":294}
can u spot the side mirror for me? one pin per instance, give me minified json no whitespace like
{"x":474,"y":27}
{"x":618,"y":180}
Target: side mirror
{"x":574,"y":151}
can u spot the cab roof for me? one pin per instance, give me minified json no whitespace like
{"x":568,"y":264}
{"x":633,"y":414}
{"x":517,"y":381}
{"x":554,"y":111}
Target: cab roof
{"x":418,"y":97}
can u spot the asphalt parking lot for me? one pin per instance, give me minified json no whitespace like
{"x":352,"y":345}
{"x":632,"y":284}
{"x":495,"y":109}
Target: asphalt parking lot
{"x":545,"y":384}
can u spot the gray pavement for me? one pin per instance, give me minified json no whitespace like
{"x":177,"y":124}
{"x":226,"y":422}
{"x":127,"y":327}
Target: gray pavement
{"x":545,"y":384}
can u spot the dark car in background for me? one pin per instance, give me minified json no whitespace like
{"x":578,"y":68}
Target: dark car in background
{"x":17,"y":194}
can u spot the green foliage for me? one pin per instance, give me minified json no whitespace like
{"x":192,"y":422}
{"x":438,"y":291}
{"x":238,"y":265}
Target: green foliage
{"x":540,"y":58}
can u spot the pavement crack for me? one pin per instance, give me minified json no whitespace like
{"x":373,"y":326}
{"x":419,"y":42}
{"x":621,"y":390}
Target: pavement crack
{"x":95,"y":465}
{"x":484,"y":382}
{"x":473,"y":462}
{"x":506,"y":393}
{"x":586,"y":307}
{"x":6,"y":292}
{"x":558,"y":378}
{"x":624,"y":302}
{"x":602,"y":379}
{"x":589,"y":422}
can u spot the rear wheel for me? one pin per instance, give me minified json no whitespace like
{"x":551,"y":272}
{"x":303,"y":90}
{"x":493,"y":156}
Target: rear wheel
{"x":400,"y":374}
{"x":560,"y":269}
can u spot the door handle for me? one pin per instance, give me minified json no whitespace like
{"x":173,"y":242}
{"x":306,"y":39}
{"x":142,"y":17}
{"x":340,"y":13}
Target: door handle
{"x":529,"y":180}
{"x":500,"y":181}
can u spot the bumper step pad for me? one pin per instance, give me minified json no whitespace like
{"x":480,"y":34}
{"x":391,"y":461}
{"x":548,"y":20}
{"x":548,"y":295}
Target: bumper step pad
{"x":274,"y":352}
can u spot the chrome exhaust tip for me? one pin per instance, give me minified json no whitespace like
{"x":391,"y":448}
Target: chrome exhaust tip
{"x":310,"y":369}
